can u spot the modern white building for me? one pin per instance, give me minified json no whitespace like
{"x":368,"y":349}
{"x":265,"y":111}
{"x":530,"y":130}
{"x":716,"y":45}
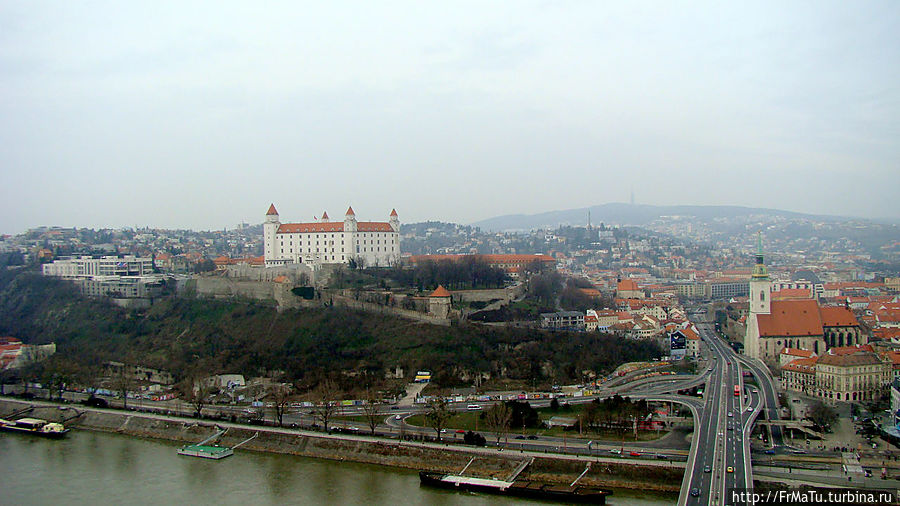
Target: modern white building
{"x":87,"y":267}
{"x":368,"y":243}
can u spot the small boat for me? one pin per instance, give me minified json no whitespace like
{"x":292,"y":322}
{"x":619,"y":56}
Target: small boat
{"x":34,"y":426}
{"x":519,"y":488}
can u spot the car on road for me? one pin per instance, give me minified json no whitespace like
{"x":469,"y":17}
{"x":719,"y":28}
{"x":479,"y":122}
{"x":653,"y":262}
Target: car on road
{"x":615,"y":451}
{"x":707,"y":469}
{"x":532,"y":437}
{"x":749,"y":409}
{"x":695,"y":492}
{"x":730,"y":414}
{"x":634,"y":454}
{"x":729,"y":469}
{"x":460,"y":431}
{"x":769,"y":452}
{"x":520,"y":437}
{"x":397,"y":417}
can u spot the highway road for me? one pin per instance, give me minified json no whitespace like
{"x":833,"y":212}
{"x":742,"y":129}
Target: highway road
{"x":722,"y":454}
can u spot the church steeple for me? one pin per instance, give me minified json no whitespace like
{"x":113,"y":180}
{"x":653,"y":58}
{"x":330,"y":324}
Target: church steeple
{"x":760,"y":285}
{"x":759,"y":269}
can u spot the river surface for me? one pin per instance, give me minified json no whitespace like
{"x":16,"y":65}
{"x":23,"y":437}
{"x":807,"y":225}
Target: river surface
{"x":98,"y":468}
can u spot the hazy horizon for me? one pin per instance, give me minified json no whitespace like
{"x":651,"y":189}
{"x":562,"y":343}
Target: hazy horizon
{"x":199,"y":115}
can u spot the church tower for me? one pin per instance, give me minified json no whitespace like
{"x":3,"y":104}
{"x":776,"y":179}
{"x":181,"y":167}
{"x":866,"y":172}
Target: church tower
{"x":270,"y":227}
{"x":760,"y":285}
{"x":760,"y":301}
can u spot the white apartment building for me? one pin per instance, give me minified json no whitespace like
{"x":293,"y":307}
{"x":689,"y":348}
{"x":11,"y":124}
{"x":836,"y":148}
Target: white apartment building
{"x":87,"y":267}
{"x":370,"y":244}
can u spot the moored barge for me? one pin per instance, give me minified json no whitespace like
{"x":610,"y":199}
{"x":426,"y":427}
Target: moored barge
{"x":34,"y":426}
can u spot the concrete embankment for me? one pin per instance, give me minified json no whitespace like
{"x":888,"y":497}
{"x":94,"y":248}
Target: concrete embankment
{"x":435,"y":457}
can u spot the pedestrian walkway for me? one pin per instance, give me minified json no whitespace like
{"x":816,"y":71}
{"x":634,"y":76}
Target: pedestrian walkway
{"x":851,"y":465}
{"x":412,"y":391}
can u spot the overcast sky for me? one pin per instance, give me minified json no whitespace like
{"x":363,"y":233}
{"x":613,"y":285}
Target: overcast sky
{"x":199,"y":115}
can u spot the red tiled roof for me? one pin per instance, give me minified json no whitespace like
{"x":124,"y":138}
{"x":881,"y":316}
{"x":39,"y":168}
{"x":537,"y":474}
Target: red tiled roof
{"x":271,"y":210}
{"x":393,"y":212}
{"x":791,"y":293}
{"x":260,"y":260}
{"x":440,"y":291}
{"x":791,"y":318}
{"x":849,"y":350}
{"x":856,"y":358}
{"x":627,"y":285}
{"x":305,"y":228}
{"x":894,"y":357}
{"x":837,"y":317}
{"x":350,"y":212}
{"x":590,"y":292}
{"x":491,"y":259}
{"x":324,"y":215}
{"x":690,"y":334}
{"x":806,"y":365}
{"x":797,"y":352}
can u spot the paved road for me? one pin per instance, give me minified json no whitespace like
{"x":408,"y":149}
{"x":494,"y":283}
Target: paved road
{"x":722,"y":453}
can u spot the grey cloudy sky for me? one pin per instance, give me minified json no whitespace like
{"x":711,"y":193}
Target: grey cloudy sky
{"x":198,"y":115}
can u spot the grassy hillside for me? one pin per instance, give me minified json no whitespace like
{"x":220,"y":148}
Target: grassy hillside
{"x":179,"y":333}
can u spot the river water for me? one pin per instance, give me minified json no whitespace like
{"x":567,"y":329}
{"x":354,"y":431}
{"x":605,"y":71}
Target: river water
{"x":97,"y":468}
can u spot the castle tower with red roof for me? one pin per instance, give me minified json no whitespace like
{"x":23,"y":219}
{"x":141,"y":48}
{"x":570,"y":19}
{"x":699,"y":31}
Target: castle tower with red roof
{"x":270,"y":228}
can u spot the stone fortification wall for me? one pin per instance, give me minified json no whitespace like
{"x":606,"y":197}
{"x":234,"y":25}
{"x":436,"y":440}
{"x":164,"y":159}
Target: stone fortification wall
{"x":340,"y":300}
{"x":505,"y":294}
{"x":297,"y":273}
{"x":223,"y":287}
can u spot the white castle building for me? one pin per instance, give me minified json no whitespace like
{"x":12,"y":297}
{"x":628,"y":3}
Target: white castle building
{"x":368,"y":243}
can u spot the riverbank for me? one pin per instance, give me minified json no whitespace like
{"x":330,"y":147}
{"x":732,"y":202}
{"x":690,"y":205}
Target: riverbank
{"x":430,"y":456}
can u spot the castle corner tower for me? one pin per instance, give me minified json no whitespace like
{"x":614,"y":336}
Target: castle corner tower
{"x":270,"y":228}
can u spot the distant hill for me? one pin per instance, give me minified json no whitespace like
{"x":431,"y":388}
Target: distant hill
{"x":627,"y":214}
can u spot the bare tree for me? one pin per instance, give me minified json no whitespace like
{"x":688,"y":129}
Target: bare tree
{"x":371,"y":411}
{"x":437,"y":414}
{"x":497,"y":418}
{"x":88,"y":376}
{"x":325,"y":398}
{"x":279,"y":395}
{"x":123,"y":382}
{"x":30,"y":367}
{"x":196,"y":390}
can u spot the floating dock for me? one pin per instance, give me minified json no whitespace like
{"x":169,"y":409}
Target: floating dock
{"x":213,"y":451}
{"x":206,"y":452}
